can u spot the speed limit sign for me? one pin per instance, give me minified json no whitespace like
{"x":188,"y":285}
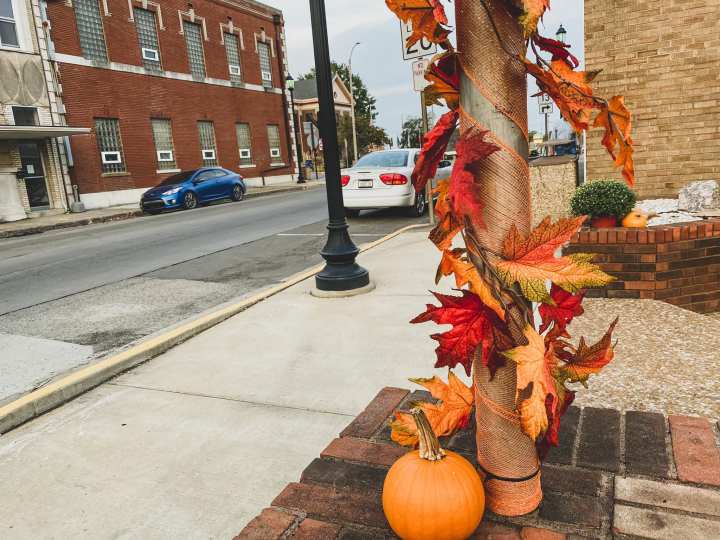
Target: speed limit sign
{"x":421,"y":48}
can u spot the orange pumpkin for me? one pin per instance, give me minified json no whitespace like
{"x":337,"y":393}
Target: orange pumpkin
{"x":637,"y":219}
{"x":432,"y":494}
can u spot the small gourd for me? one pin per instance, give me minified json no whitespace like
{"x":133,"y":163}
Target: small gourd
{"x":432,"y":494}
{"x":636,"y":219}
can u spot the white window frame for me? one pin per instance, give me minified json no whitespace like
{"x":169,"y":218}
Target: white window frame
{"x":155,"y":56}
{"x":22,"y":28}
{"x":267,"y":76}
{"x":245,"y":153}
{"x":144,"y":4}
{"x":165,"y":155}
{"x":275,"y":153}
{"x":105,"y":156}
{"x":208,"y":154}
{"x":235,"y":70}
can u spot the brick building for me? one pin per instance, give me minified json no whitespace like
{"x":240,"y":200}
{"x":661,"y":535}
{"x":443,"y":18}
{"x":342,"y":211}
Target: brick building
{"x":33,"y":172}
{"x":665,"y":60}
{"x":171,"y":86}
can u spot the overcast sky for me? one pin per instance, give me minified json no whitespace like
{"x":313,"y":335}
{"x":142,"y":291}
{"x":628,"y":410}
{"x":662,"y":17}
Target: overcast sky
{"x":378,"y":60}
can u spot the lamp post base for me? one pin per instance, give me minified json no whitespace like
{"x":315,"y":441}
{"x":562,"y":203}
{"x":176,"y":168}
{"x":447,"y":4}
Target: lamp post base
{"x":317,"y":293}
{"x":341,"y":273}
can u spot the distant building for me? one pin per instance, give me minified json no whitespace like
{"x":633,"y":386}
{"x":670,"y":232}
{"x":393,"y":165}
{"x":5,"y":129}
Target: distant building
{"x":33,"y":166}
{"x":307,"y":107}
{"x":169,"y":86}
{"x":666,"y":65}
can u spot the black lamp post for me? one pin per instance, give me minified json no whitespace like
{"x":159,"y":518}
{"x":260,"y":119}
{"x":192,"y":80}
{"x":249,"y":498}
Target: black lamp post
{"x":298,"y":149}
{"x":341,"y":273}
{"x":561,"y":34}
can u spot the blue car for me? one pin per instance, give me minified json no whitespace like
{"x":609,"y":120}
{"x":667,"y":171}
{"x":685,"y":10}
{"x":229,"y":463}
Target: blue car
{"x":188,"y":189}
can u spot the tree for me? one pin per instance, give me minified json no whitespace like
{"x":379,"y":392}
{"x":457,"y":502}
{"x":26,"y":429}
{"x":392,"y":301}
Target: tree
{"x":368,"y":134}
{"x":411,"y":133}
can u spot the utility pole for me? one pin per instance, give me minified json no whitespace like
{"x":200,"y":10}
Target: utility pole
{"x":425,"y":129}
{"x":352,"y":103}
{"x":486,"y":30}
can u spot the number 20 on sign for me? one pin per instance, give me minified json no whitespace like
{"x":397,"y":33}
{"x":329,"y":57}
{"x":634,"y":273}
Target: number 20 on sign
{"x":416,"y":50}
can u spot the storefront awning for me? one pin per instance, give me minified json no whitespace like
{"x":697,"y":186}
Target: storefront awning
{"x":39,"y":132}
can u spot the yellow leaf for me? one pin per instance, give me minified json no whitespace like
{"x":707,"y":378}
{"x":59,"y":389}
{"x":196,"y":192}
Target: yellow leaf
{"x":531,"y":261}
{"x":534,"y":377}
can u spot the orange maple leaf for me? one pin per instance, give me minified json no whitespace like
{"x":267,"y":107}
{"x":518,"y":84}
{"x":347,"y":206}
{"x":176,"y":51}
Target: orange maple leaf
{"x":616,"y":119}
{"x":570,"y":90}
{"x":588,"y":361}
{"x":535,"y":383}
{"x":531,"y":261}
{"x":448,"y":226}
{"x":454,"y":262}
{"x":533,"y":10}
{"x":446,"y":417}
{"x":427,"y":18}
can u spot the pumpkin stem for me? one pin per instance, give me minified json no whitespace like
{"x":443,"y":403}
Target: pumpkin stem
{"x":429,"y":443}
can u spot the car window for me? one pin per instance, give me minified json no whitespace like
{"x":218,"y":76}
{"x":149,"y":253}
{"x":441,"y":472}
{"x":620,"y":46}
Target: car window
{"x":383,"y":159}
{"x":216,"y":173}
{"x":204,"y":176}
{"x":177,"y":178}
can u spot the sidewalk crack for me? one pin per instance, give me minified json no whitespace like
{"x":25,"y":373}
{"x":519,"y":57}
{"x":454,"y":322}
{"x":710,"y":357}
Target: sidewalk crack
{"x":221,"y":398}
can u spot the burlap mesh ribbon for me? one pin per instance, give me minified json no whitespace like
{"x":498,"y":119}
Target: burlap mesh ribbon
{"x":493,"y":97}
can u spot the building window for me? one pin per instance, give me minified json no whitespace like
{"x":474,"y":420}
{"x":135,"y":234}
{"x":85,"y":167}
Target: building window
{"x":8,"y":27}
{"x":265,"y":65}
{"x":207,"y":143}
{"x":107,"y":132}
{"x":232,"y":50}
{"x":90,"y":30}
{"x":244,"y":143}
{"x":164,"y":149}
{"x":25,"y":116}
{"x":193,"y":41}
{"x":146,"y":25}
{"x":274,"y":143}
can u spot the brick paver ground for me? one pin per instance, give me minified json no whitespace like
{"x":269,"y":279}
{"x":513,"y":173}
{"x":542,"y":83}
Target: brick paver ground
{"x":626,"y":476}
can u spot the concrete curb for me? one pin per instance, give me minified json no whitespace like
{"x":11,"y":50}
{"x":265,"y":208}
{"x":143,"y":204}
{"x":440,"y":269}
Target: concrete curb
{"x":134,"y":213}
{"x":68,"y":387}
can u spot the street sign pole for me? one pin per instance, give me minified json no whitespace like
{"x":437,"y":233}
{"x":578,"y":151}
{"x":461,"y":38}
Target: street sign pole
{"x":425,"y":129}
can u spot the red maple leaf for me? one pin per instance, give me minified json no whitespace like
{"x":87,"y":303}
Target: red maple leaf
{"x":473,"y":325}
{"x":464,"y":193}
{"x":558,"y":49}
{"x":434,"y":146}
{"x":552,"y":435}
{"x":566,"y":307}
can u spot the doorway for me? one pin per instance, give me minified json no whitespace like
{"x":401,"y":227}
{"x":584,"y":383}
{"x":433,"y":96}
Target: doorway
{"x":32,"y":165}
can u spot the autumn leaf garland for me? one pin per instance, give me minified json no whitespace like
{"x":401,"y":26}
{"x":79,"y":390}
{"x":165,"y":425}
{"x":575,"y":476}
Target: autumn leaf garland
{"x":493,"y":312}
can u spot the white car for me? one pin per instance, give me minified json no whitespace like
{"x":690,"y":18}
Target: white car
{"x":383,"y":180}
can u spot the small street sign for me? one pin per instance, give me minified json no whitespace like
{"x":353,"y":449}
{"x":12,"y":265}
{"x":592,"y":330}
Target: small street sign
{"x":418,"y":68}
{"x":545,"y":104}
{"x":546,"y":108}
{"x":417,"y":50}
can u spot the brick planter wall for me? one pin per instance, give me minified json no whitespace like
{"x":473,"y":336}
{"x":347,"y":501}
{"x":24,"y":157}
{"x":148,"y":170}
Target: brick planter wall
{"x":678,"y":264}
{"x":616,"y":475}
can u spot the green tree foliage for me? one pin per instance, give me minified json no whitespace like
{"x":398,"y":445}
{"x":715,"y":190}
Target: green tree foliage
{"x":411,"y":133}
{"x":365,"y":113}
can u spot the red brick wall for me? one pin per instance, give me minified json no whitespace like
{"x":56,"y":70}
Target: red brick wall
{"x":677,"y":264}
{"x":92,"y":92}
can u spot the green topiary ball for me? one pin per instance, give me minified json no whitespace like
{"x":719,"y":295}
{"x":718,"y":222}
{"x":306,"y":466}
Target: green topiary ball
{"x":603,"y":198}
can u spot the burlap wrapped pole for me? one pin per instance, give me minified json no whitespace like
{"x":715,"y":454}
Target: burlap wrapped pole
{"x":493,"y":97}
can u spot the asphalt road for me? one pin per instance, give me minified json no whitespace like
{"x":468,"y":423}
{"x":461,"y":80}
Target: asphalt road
{"x":70,"y":296}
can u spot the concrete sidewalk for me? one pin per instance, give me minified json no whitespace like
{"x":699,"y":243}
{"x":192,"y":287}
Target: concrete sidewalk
{"x":196,"y":442}
{"x":118,"y":213}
